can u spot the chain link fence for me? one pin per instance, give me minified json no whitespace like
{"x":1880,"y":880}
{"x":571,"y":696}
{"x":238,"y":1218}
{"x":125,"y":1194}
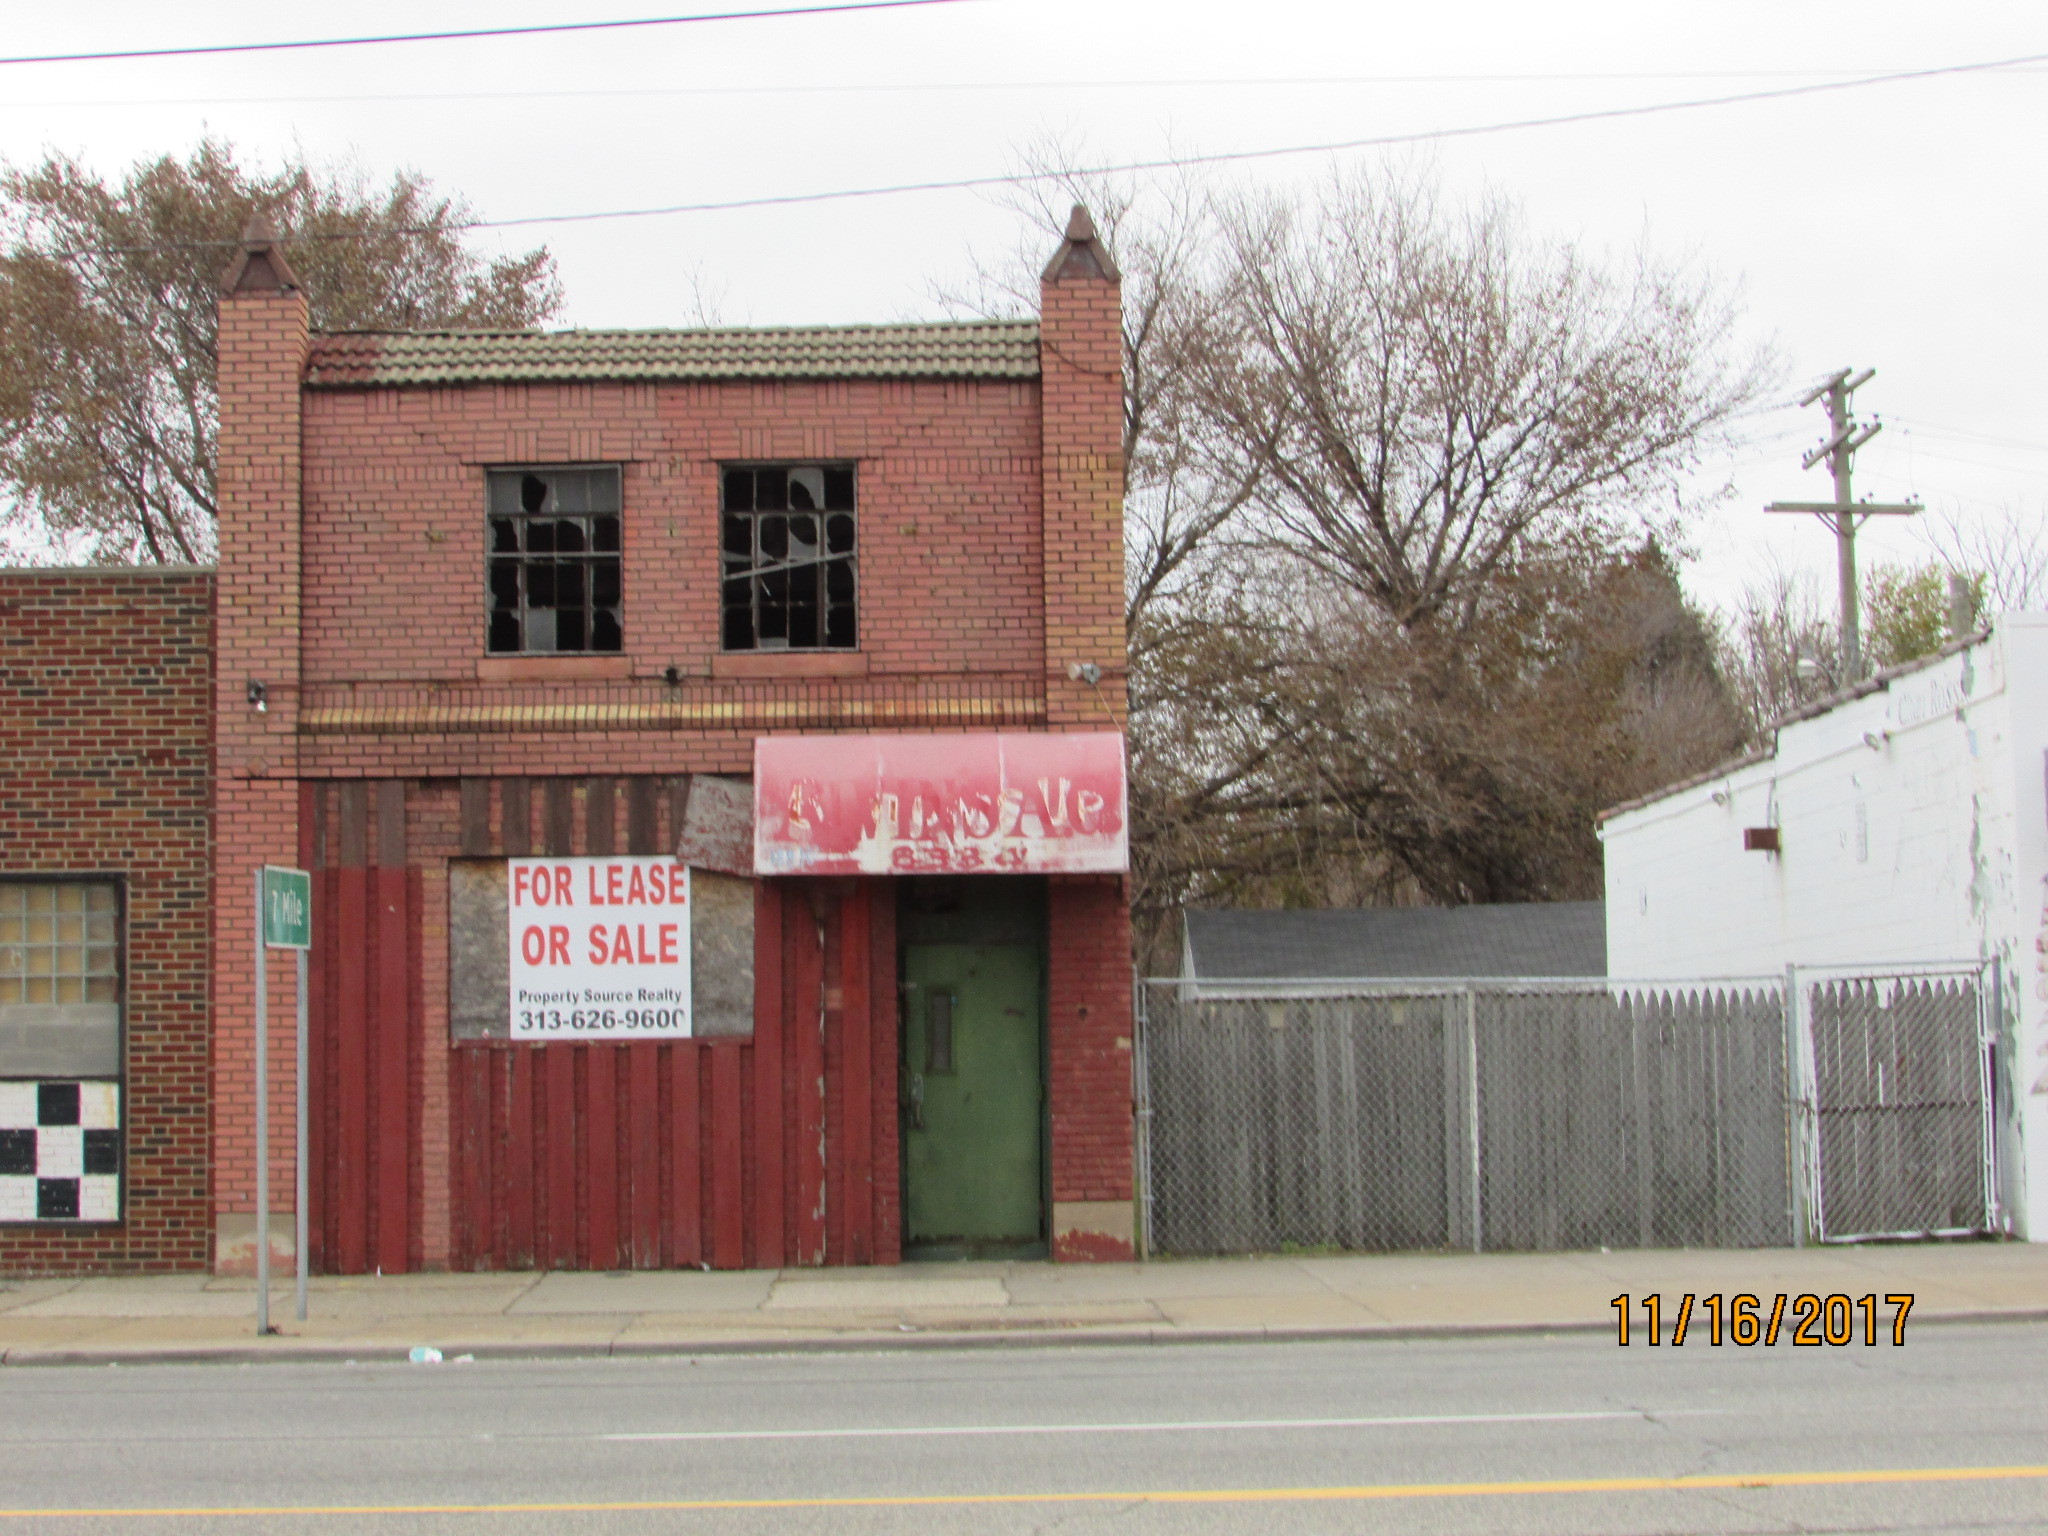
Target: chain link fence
{"x":1552,"y":1116}
{"x":1894,"y":1076}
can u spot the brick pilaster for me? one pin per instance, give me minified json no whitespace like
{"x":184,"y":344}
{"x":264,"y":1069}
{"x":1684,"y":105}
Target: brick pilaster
{"x":1089,"y":1004}
{"x":263,"y":341}
{"x":1081,"y":363}
{"x":1088,"y":1011}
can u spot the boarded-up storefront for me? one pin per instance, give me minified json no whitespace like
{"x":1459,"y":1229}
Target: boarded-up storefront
{"x":803,"y":651}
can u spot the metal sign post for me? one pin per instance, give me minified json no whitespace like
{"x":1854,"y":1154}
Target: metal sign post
{"x":284,"y":920}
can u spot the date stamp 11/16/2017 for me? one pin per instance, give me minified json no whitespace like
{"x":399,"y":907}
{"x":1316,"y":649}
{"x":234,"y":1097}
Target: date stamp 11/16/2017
{"x":1744,"y":1319}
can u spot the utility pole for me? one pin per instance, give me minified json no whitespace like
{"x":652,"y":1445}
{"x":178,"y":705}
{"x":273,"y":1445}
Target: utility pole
{"x":1845,"y":514}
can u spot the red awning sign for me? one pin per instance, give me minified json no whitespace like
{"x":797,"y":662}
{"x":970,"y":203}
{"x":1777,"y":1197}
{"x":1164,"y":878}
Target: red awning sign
{"x":991,"y":803}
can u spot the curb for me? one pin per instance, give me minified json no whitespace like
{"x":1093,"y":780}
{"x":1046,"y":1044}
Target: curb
{"x":1052,"y":1337}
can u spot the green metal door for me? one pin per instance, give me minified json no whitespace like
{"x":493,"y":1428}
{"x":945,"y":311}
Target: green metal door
{"x":971,"y":1139}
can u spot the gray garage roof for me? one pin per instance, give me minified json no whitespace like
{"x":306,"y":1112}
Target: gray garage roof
{"x":1552,"y":938}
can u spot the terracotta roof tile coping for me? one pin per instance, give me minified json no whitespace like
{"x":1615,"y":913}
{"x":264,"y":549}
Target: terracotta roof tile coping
{"x":961,"y":349}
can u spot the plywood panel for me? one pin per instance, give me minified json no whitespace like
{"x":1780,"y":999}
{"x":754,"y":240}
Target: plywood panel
{"x":771,"y":1197}
{"x":601,"y":1149}
{"x":885,"y":1183}
{"x":686,"y":1160}
{"x":728,"y":1242}
{"x":856,"y":1098}
{"x":555,"y":1152}
{"x":320,"y":1080}
{"x":521,"y":1066}
{"x":643,"y":1137}
{"x":352,"y":1071}
{"x":393,"y":1024}
{"x":646,"y":1154}
{"x":804,"y":1023}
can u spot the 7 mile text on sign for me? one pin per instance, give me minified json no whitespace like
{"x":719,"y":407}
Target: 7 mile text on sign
{"x":600,"y":948}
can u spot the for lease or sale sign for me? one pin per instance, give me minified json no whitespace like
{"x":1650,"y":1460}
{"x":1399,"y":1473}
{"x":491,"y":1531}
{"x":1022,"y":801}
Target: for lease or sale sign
{"x":600,"y":948}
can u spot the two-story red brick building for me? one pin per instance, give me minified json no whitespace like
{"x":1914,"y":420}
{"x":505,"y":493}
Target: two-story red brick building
{"x":832,"y":619}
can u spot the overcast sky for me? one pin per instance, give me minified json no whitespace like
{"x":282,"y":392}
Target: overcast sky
{"x":1895,"y":226}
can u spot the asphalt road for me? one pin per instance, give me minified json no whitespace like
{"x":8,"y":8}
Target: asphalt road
{"x":1565,"y":1433}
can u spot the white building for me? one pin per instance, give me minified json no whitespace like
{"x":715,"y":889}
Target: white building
{"x":1910,"y":824}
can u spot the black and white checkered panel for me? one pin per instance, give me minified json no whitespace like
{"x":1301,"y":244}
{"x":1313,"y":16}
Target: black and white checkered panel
{"x":60,"y":1151}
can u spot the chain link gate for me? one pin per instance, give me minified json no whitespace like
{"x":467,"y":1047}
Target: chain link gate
{"x":1894,"y":1100}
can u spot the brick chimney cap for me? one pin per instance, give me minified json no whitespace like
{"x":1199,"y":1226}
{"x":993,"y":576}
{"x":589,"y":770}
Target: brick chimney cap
{"x":259,"y":266}
{"x":1081,"y":253}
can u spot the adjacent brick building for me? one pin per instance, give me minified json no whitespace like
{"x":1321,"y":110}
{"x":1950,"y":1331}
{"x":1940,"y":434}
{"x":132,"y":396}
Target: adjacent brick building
{"x":105,"y":711}
{"x":493,"y":599}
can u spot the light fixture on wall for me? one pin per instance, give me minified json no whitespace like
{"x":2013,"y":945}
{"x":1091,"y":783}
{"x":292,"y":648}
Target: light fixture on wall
{"x":1084,"y":672}
{"x":259,"y":698}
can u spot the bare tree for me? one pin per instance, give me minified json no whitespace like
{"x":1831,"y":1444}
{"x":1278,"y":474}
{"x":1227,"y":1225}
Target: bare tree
{"x":107,"y":344}
{"x":1473,"y":761}
{"x":1781,"y":650}
{"x":1421,"y":393}
{"x":1395,"y":632}
{"x":2008,"y":551}
{"x":1460,"y":437}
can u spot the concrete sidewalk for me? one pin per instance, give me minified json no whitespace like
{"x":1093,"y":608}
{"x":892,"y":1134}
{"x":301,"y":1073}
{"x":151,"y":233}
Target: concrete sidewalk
{"x":1351,"y":1295}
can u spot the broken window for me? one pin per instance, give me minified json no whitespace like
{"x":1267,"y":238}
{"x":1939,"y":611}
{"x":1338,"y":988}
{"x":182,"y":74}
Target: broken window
{"x":787,"y":544}
{"x":554,"y":578}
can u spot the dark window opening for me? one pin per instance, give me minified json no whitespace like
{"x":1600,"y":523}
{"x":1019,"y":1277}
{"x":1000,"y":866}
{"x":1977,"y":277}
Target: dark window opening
{"x":553,"y":582}
{"x":787,"y":544}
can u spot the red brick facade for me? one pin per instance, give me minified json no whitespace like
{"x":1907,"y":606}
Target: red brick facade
{"x":351,"y":588}
{"x":106,"y":677}
{"x":1089,"y":1015}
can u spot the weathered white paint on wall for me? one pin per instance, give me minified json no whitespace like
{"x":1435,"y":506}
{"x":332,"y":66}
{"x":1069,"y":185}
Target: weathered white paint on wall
{"x":1913,"y":824}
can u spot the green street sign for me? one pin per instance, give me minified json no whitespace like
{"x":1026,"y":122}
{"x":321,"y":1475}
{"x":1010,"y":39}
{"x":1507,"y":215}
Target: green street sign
{"x":287,"y":908}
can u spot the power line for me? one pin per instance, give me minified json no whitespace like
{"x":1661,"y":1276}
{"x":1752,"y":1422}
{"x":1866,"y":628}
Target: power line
{"x":470,"y":33}
{"x":1177,"y":162}
{"x":973,"y":183}
{"x":2004,"y":469}
{"x":954,"y":87}
{"x":1914,"y":424}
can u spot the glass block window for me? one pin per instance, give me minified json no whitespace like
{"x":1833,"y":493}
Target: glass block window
{"x":554,"y":577}
{"x":60,"y":1051}
{"x":787,"y":540}
{"x":60,"y":978}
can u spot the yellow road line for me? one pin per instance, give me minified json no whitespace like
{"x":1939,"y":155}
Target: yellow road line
{"x":1892,"y":1475}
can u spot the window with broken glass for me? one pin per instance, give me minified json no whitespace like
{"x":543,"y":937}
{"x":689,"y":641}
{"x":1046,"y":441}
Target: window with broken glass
{"x":554,"y":580}
{"x":788,"y":552}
